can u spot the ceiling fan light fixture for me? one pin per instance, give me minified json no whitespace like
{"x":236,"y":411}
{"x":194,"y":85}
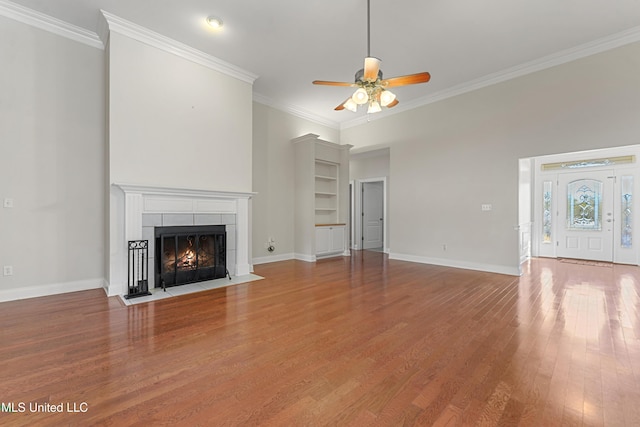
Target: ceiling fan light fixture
{"x":351,"y":105}
{"x":360,"y":96}
{"x":372,"y":87}
{"x":386,"y":97}
{"x":374,"y":107}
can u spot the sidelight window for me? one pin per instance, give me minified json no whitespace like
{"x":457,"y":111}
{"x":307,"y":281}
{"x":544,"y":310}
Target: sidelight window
{"x":546,"y":211}
{"x":626,"y":211}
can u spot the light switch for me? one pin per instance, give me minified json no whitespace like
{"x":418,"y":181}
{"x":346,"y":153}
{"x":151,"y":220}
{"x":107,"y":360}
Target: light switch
{"x":487,"y":207}
{"x":8,"y":203}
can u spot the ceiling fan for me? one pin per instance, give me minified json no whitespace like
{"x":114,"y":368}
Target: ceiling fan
{"x":372,"y":88}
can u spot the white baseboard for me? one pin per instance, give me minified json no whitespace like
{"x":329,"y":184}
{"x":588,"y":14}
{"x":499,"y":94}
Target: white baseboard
{"x":50,"y":289}
{"x":332,"y":255}
{"x":304,"y":257}
{"x":489,"y":268}
{"x":112,"y":291}
{"x":273,"y":258}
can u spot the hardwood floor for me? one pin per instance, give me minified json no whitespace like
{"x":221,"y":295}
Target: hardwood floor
{"x":358,"y":341}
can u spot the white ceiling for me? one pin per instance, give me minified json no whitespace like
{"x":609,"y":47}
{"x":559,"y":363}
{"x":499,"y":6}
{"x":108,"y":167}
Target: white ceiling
{"x":289,"y":43}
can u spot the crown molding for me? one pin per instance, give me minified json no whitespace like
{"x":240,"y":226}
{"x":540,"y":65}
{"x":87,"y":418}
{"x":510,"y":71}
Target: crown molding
{"x":604,"y":44}
{"x":48,"y":23}
{"x":169,"y":45}
{"x":294,"y":111}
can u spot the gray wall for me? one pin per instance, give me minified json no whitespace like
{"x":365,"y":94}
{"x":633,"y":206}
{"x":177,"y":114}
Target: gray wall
{"x":51,"y":161}
{"x":449,"y":157}
{"x":372,"y":164}
{"x":170,"y":119}
{"x":273,"y":176}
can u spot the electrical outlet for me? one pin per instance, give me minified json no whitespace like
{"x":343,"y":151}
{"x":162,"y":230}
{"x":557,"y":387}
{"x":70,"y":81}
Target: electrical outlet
{"x":7,"y":270}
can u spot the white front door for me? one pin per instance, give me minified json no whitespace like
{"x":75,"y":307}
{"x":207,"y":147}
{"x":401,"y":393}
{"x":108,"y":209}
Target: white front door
{"x":372,"y":214}
{"x":585,"y":215}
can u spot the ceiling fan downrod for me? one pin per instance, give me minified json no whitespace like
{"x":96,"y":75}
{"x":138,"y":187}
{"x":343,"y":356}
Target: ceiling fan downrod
{"x":368,"y":28}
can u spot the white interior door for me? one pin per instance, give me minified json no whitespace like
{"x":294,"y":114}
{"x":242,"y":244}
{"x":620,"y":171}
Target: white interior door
{"x":585,"y":215}
{"x":372,"y":214}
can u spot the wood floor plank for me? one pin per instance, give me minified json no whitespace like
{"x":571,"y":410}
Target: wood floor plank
{"x":360,"y":340}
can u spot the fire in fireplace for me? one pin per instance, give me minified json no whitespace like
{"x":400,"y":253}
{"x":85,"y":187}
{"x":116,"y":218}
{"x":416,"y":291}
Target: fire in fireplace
{"x":189,"y":254}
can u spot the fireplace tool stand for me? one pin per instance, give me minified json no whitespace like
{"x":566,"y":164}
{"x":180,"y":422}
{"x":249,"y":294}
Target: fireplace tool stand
{"x":137,"y":269}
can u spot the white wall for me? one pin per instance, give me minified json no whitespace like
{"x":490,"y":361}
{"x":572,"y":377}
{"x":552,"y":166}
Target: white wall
{"x":273,"y":177}
{"x":371,"y":164}
{"x":363,"y":166}
{"x":171,"y":123}
{"x":51,"y":162}
{"x":450,"y":157}
{"x":170,"y":119}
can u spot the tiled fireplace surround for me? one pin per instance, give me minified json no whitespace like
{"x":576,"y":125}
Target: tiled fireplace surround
{"x":136,"y":210}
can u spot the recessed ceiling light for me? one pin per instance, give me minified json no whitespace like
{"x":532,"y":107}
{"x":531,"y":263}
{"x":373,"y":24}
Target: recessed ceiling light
{"x":215,"y":22}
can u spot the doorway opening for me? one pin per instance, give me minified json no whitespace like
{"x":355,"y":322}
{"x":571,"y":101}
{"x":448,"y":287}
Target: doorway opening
{"x":370,"y":214}
{"x":373,"y":216}
{"x":582,"y":205}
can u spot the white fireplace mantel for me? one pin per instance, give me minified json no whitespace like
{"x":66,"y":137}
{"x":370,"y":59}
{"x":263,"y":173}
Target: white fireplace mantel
{"x":130,"y":202}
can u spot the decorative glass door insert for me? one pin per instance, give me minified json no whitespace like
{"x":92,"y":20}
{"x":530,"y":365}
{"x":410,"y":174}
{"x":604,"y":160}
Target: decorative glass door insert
{"x":584,"y":210}
{"x":586,"y":204}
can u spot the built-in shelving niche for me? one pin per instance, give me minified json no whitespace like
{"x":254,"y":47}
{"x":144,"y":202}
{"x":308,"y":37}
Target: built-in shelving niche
{"x":326,"y":192}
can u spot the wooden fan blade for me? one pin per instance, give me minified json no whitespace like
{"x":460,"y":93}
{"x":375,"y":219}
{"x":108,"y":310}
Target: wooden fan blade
{"x":326,"y":83}
{"x":371,"y":67}
{"x":393,"y":103}
{"x":411,"y":79}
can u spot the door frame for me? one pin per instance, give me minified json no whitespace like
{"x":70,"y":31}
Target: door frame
{"x":375,"y":195}
{"x":605,"y":235}
{"x":356,"y":216}
{"x":539,"y":176}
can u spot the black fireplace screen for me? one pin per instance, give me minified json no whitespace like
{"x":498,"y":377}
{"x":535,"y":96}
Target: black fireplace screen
{"x":190,"y":254}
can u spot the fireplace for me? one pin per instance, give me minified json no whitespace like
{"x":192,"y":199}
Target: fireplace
{"x":137,"y":210}
{"x":189,"y":254}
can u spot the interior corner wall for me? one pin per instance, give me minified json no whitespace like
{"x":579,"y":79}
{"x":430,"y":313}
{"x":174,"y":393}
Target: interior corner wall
{"x":364,"y":166}
{"x":450,"y":157}
{"x":274,"y":178}
{"x":51,"y":162}
{"x":175,"y":123}
{"x":374,"y":165}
